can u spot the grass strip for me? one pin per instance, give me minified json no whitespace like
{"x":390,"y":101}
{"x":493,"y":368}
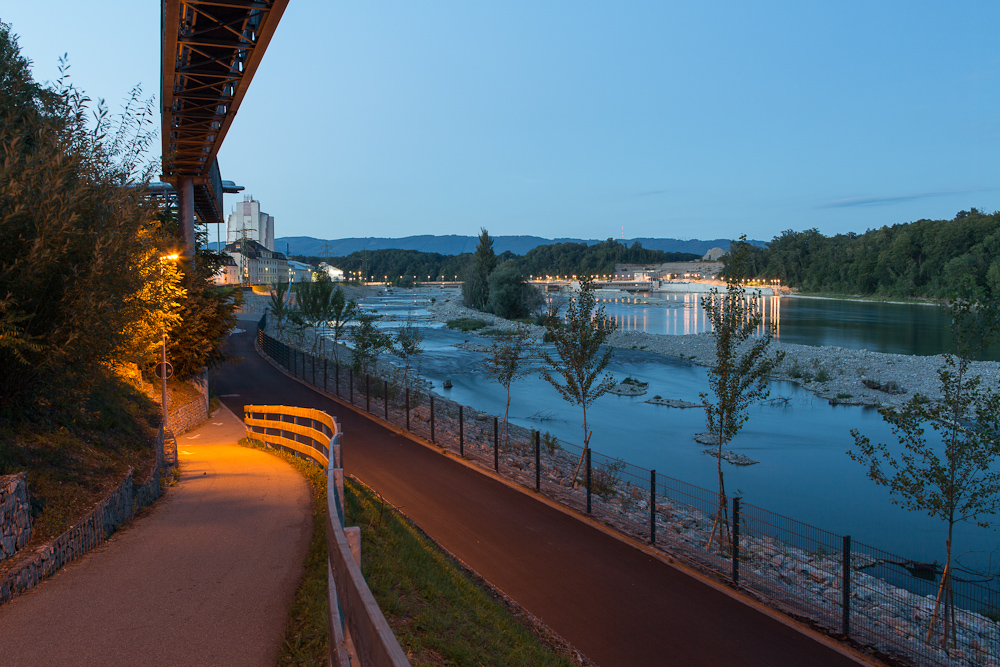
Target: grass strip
{"x":439,"y":613}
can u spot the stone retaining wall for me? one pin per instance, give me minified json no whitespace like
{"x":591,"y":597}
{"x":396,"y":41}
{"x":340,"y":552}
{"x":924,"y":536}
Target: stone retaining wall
{"x":115,"y":510}
{"x":15,"y":514}
{"x":190,"y":415}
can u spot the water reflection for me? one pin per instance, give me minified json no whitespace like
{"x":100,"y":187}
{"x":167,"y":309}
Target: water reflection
{"x":897,"y":328}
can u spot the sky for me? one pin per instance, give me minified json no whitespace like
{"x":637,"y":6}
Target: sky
{"x":585,"y":119}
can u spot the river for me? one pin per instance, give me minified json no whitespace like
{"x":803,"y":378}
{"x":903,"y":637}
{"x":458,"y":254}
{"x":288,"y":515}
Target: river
{"x":800,"y":441}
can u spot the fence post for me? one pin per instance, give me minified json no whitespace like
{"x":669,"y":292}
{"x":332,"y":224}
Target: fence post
{"x":587,"y":451}
{"x":461,"y":433}
{"x":313,"y":360}
{"x":538,"y":461}
{"x":336,"y":377}
{"x":496,"y":446}
{"x":407,"y":408}
{"x":652,"y":507}
{"x":368,"y":393}
{"x":845,"y":586}
{"x":385,"y":398}
{"x":736,"y":539}
{"x":324,"y":373}
{"x":432,"y":421}
{"x":351,"y":383}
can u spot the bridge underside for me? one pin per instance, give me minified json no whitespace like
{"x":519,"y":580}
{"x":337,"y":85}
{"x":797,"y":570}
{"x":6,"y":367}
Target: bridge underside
{"x":210,"y":52}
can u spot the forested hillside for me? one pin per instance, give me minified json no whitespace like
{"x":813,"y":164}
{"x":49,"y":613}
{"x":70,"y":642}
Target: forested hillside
{"x":926,"y":258}
{"x":555,"y":259}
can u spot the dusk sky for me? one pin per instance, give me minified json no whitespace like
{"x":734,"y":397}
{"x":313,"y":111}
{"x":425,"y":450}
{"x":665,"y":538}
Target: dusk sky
{"x":578,"y":119}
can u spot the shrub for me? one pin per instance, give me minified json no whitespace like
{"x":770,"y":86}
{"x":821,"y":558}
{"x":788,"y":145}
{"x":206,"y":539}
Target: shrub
{"x":466,"y":324}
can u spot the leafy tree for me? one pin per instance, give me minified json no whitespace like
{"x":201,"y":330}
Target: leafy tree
{"x":953,"y":477}
{"x":406,"y":346}
{"x":505,"y":363}
{"x":369,"y":344}
{"x":279,"y":307}
{"x":344,"y":311}
{"x":738,"y":377}
{"x":81,"y":282}
{"x":475,"y":286}
{"x":578,"y":357}
{"x":510,"y":296}
{"x":207,"y":314}
{"x":315,"y":304}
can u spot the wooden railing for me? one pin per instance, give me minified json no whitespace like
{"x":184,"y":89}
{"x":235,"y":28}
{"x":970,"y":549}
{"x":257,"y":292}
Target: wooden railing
{"x":359,"y":633}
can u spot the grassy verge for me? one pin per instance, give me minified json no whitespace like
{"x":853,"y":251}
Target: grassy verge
{"x":439,"y":614}
{"x":74,"y":457}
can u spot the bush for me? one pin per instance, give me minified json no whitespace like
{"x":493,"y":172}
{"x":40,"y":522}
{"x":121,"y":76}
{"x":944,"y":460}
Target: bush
{"x":466,"y":324}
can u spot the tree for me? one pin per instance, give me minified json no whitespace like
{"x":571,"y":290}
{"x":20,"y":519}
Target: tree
{"x":278,"y":306}
{"x":406,"y":346}
{"x":953,"y":477}
{"x":510,"y":296}
{"x":475,"y":285}
{"x":738,"y":376}
{"x":369,"y":344}
{"x":578,"y":357}
{"x":344,"y":311}
{"x":505,"y":363}
{"x":81,"y":282}
{"x":207,"y":315}
{"x":315,"y":304}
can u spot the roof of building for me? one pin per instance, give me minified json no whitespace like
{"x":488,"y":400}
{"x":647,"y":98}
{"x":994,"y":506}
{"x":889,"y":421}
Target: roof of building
{"x":253,"y":250}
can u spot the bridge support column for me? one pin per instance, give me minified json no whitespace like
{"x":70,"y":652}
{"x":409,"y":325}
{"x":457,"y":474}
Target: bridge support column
{"x":185,"y":196}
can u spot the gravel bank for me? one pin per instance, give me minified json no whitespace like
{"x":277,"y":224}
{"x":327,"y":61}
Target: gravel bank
{"x":834,"y":373}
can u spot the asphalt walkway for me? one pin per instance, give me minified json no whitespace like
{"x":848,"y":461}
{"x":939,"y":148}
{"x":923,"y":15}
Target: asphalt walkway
{"x":205,"y":578}
{"x":615,"y":603}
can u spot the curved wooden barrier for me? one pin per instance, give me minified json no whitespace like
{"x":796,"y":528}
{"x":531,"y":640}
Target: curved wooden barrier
{"x":359,"y":633}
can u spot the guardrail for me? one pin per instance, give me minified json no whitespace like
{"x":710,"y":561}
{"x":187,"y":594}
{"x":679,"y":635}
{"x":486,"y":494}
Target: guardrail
{"x":359,"y":633}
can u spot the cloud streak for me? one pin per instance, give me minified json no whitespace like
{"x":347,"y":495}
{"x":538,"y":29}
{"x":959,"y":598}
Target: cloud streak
{"x":896,"y":199}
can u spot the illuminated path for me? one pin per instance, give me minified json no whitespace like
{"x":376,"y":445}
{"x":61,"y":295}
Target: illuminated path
{"x":615,"y":603}
{"x":204,"y":579}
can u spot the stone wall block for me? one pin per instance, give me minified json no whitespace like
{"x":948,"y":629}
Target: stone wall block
{"x":116,"y":509}
{"x":15,"y":514}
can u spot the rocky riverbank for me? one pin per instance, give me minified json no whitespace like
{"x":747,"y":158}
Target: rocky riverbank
{"x":841,"y":375}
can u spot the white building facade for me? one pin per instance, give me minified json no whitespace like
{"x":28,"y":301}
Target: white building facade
{"x":248,"y":221}
{"x":257,"y":265}
{"x":299,"y":272}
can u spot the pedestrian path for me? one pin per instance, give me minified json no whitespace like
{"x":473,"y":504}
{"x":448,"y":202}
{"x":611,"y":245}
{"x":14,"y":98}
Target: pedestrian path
{"x":205,"y":578}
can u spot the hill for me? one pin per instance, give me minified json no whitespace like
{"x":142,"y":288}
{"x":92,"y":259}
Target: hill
{"x":456,"y":245}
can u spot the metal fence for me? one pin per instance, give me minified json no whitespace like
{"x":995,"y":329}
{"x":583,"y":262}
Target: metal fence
{"x":853,"y":590}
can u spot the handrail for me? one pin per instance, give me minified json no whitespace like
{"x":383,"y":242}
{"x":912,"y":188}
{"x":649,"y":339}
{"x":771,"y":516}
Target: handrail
{"x":359,"y":633}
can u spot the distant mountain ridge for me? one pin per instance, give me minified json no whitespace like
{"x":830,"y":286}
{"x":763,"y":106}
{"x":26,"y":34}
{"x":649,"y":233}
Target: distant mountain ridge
{"x":455,"y":245}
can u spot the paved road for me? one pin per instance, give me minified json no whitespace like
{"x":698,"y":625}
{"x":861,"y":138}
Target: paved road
{"x":204,"y":579}
{"x":615,"y":603}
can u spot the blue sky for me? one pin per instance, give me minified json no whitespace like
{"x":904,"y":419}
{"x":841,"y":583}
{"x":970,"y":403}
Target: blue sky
{"x":581,"y":118}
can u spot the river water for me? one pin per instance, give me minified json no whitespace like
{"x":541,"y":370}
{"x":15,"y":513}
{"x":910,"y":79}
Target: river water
{"x":800,"y":441}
